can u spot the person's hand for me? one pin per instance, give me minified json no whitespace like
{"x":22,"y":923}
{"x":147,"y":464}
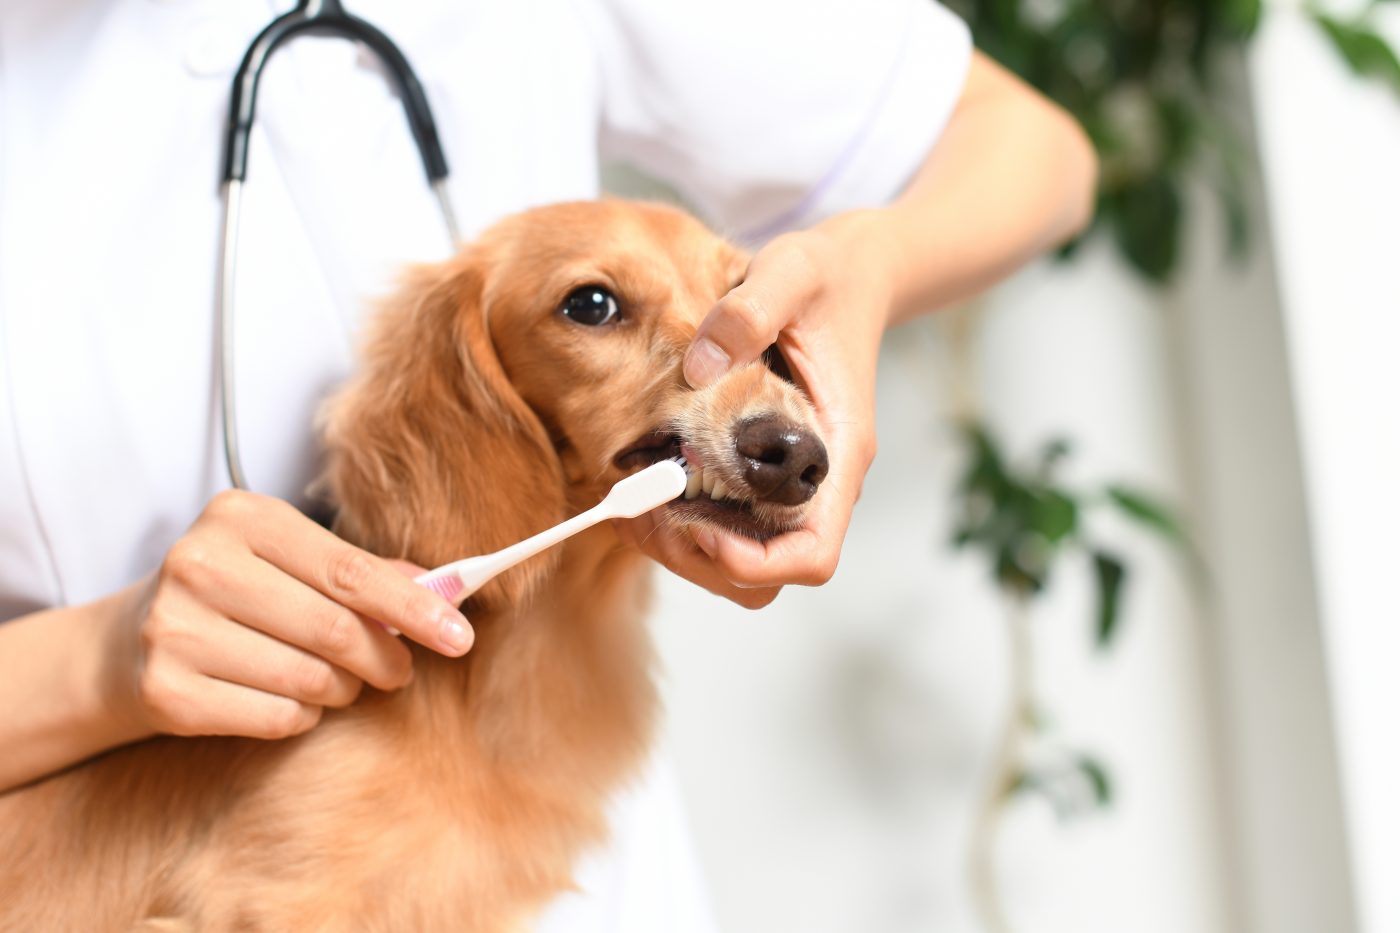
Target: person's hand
{"x":258,"y":619}
{"x":823,"y":296}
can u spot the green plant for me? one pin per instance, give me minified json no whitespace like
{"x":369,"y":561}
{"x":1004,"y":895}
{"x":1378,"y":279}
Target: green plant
{"x":1143,"y":78}
{"x":1024,"y":520}
{"x":1025,"y":523}
{"x":1358,"y":40}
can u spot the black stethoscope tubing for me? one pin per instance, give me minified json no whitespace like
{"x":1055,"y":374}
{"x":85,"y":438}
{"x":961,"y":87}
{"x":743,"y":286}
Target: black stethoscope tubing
{"x":310,"y":17}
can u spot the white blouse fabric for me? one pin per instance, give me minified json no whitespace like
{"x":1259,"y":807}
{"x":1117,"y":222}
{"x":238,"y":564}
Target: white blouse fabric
{"x":764,"y":114}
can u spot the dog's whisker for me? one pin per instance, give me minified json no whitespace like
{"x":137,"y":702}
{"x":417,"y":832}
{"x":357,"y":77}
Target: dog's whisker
{"x":654,"y":529}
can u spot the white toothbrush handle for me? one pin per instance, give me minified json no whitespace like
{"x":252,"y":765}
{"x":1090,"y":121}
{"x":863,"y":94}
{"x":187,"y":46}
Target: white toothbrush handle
{"x":630,"y":497}
{"x":460,"y":579}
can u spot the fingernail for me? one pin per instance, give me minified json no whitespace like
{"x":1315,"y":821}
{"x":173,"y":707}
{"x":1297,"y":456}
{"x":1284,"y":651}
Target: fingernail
{"x":454,"y":632}
{"x":705,"y":362}
{"x":704,"y":539}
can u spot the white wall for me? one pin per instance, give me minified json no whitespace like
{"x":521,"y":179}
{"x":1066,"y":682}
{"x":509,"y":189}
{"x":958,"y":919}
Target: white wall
{"x":1289,"y":864}
{"x":1331,"y":154}
{"x":830,"y":746}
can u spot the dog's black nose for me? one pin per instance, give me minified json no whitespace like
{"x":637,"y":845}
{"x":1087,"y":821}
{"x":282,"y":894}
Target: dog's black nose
{"x":782,"y":462}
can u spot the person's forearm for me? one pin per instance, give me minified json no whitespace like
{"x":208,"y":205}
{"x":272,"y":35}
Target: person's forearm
{"x":58,"y":704}
{"x":1011,"y":177}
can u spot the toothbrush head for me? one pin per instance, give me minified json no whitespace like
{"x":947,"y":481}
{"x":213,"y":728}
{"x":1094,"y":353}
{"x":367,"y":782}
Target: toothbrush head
{"x":641,"y":492}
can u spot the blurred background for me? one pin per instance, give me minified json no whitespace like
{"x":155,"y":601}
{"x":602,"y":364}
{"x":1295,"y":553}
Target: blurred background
{"x":1112,"y":640}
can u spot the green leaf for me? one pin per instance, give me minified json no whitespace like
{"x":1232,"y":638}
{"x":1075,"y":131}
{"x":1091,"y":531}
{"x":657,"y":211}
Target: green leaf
{"x":1146,"y":219}
{"x":1006,"y":13}
{"x":1178,"y":124}
{"x":1147,"y":511}
{"x":985,"y":470}
{"x":1060,"y":785}
{"x":1097,"y":776}
{"x":1158,"y":517}
{"x":1109,"y":572}
{"x":1053,"y":515}
{"x":1364,"y":50}
{"x":1241,"y":17}
{"x":983,"y":492}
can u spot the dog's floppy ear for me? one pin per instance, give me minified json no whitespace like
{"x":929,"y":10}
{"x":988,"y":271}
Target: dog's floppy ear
{"x":433,"y":455}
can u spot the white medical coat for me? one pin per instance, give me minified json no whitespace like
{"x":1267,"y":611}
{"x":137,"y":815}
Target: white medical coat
{"x":764,"y":114}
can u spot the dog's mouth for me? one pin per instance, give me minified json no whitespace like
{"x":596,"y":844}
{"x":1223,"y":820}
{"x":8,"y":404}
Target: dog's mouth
{"x":708,"y":497}
{"x":648,"y":449}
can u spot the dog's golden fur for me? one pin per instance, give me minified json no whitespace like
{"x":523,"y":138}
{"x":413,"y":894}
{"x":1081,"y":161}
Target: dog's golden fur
{"x":480,"y":416}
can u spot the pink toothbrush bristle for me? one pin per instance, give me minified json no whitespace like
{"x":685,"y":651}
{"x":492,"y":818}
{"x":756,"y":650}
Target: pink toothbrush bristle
{"x":446,"y":586}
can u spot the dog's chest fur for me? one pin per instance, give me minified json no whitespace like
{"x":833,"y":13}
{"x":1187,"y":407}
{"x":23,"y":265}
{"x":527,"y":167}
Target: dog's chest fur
{"x":461,"y":802}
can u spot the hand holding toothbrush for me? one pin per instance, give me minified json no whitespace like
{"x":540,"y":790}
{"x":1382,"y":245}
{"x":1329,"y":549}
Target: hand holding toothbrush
{"x":258,"y":619}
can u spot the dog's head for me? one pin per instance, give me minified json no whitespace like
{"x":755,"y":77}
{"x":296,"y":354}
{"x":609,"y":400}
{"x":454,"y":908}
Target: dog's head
{"x":514,"y":384}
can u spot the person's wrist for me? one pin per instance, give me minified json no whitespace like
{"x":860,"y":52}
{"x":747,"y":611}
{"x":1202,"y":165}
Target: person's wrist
{"x":112,"y":705}
{"x":867,"y":242}
{"x":61,"y":708}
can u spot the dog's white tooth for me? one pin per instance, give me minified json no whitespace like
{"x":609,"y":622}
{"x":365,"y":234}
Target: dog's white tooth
{"x":692,"y":484}
{"x":707,"y":481}
{"x":719,"y":490}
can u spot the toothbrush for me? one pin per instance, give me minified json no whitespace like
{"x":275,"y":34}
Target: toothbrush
{"x":629,"y":497}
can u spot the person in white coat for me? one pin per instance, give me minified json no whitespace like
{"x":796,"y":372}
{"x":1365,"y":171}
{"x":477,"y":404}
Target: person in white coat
{"x":879,"y":165}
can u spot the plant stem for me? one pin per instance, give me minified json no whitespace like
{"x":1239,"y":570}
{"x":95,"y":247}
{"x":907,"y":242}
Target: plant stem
{"x":960,"y":328}
{"x":1005,"y":771}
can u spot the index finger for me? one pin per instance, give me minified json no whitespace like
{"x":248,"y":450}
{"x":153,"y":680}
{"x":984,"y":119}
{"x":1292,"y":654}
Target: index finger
{"x":360,"y":581}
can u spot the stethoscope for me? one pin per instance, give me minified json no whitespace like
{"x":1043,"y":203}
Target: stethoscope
{"x":311,"y":17}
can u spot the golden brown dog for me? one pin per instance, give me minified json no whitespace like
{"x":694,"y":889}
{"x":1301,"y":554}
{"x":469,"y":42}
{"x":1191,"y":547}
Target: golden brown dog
{"x":501,"y":392}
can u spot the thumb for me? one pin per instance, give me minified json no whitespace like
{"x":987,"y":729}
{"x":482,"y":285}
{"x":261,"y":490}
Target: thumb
{"x":738,"y":329}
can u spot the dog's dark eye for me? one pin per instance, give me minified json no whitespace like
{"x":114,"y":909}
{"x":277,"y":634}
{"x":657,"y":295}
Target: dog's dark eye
{"x":591,"y":305}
